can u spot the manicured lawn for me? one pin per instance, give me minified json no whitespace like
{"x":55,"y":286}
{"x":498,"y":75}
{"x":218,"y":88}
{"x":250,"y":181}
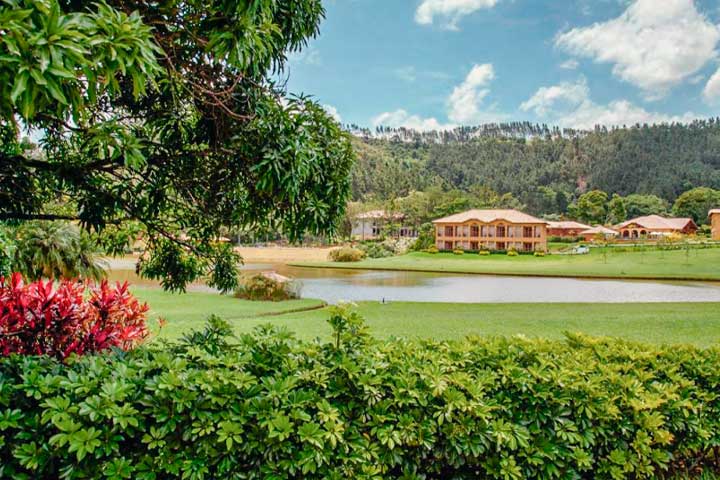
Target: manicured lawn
{"x":695,"y":323}
{"x":184,"y":312}
{"x":699,"y":264}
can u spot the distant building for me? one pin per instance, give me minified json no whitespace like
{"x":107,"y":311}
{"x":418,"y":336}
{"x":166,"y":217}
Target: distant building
{"x":655,"y":226}
{"x":715,"y":222}
{"x":370,"y":225}
{"x":491,"y":230}
{"x":566,"y":229}
{"x":592,"y":234}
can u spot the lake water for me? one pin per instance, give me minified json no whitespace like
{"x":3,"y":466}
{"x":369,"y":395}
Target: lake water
{"x":333,"y":285}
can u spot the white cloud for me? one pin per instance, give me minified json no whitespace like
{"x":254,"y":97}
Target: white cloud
{"x":655,"y":45}
{"x":466,"y":99}
{"x":571,"y":64}
{"x":464,"y":105}
{"x":450,"y":10}
{"x":333,"y":112}
{"x":308,"y":56}
{"x":401,"y":118}
{"x":569,"y":105}
{"x":712,"y":88}
{"x":565,"y":96}
{"x":408,"y":74}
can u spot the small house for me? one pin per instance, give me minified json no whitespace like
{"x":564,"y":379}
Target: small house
{"x":655,"y":226}
{"x":598,"y":232}
{"x":566,"y":229}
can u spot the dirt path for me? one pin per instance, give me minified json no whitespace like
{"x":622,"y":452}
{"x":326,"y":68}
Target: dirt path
{"x":283,"y":254}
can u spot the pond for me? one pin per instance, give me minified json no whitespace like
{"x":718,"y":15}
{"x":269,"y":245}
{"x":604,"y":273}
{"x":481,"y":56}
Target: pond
{"x":333,"y":285}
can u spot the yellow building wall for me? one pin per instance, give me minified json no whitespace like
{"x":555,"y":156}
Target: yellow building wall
{"x":539,"y":242}
{"x":716,"y":226}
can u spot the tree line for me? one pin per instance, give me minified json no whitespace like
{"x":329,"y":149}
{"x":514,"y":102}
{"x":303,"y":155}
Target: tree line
{"x":546,"y":170}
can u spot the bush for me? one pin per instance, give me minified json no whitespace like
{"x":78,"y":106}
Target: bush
{"x":432,"y":250}
{"x":512,"y":253}
{"x":539,"y":254}
{"x":457,"y":251}
{"x":37,"y":319}
{"x":377,"y":249}
{"x":484,"y":253}
{"x":346,"y":254}
{"x":270,"y":406}
{"x":425,"y":239}
{"x":261,"y":287}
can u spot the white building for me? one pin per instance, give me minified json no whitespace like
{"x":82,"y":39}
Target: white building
{"x":371,"y":225}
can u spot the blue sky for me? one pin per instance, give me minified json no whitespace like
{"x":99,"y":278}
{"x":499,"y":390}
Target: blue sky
{"x":440,"y":63}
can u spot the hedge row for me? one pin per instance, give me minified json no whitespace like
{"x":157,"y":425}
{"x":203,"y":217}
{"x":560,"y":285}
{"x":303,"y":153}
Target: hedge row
{"x":269,"y":406}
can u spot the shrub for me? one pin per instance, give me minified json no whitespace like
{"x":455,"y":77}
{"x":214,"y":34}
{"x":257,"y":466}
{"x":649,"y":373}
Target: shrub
{"x":458,"y":251}
{"x":346,"y":254}
{"x":512,"y":253}
{"x":376,"y":249}
{"x":37,"y":319}
{"x":7,"y":252}
{"x":539,"y":254}
{"x":62,"y":250}
{"x":484,"y":253}
{"x":425,"y":239}
{"x":270,"y":406}
{"x":265,"y":288}
{"x":432,"y":250}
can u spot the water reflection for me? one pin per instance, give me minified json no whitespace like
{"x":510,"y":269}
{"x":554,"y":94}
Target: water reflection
{"x":333,"y":285}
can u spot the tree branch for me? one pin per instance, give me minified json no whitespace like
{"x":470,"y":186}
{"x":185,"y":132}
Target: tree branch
{"x":35,"y":216}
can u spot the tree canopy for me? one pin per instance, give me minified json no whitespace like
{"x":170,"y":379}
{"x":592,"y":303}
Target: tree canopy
{"x":167,"y":115}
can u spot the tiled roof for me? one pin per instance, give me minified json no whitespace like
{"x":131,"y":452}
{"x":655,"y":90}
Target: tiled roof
{"x":656,"y":222}
{"x":567,"y":225}
{"x":487,"y":216}
{"x":714,"y":211}
{"x":599,"y":230}
{"x":379,"y":214}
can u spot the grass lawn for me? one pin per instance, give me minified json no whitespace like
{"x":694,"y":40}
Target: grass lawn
{"x":695,"y":323}
{"x":188,"y":311}
{"x":699,"y":264}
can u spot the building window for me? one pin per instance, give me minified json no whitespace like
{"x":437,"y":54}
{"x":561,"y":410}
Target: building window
{"x":448,"y":231}
{"x":527,"y":246}
{"x":474,"y":231}
{"x":500,"y":231}
{"x":474,"y":246}
{"x":527,"y":232}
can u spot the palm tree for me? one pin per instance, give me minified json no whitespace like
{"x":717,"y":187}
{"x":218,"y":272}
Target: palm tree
{"x":56,"y":250}
{"x":7,"y":252}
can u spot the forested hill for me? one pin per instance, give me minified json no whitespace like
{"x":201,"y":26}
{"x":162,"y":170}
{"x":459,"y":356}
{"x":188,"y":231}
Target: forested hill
{"x":530,"y":161}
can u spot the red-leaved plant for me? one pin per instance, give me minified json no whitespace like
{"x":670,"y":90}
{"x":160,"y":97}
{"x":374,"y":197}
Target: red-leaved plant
{"x":39,"y":319}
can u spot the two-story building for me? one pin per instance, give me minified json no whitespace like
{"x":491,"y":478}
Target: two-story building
{"x":370,"y":225}
{"x":491,"y":230}
{"x":715,"y":223}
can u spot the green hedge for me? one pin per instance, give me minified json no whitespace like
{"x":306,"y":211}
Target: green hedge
{"x":272,"y":407}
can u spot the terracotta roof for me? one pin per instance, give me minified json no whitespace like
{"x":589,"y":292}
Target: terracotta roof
{"x":379,"y":214}
{"x":714,"y":211}
{"x":486,"y":216}
{"x":599,"y":230}
{"x":567,"y":225}
{"x":656,"y":222}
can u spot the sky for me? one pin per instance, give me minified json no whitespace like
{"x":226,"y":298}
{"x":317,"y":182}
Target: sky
{"x":435,"y":64}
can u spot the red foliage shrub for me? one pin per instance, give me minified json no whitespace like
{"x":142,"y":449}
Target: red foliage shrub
{"x":38,"y":319}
